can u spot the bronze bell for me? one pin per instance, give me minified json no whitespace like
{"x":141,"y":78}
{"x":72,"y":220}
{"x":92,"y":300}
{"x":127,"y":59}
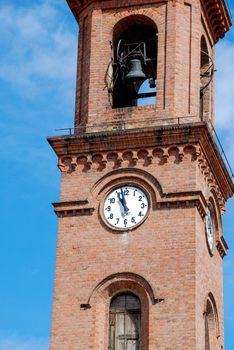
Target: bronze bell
{"x":135,"y":70}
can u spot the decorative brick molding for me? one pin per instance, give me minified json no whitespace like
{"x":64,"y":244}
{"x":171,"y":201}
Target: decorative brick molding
{"x":215,"y":11}
{"x":158,"y":155}
{"x":218,"y":17}
{"x":210,"y":179}
{"x":183,"y":203}
{"x":222,"y":246}
{"x":73,"y":208}
{"x":78,"y":6}
{"x":124,"y":147}
{"x":123,"y":279}
{"x":147,"y":157}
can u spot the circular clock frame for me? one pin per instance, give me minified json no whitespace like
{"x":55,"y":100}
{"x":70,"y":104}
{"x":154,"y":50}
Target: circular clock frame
{"x":116,"y":191}
{"x":210,"y":230}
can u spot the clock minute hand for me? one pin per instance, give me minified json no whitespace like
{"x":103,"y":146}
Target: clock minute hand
{"x":124,"y":203}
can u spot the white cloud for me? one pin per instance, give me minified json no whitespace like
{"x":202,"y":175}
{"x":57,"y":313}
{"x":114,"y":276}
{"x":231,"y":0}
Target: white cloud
{"x":37,"y":79}
{"x":20,"y":343}
{"x":38,"y":48}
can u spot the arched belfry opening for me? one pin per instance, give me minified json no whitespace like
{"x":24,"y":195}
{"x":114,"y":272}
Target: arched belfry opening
{"x":206,"y":78}
{"x":134,"y":61}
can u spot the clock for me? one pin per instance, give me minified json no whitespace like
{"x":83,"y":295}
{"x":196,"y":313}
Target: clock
{"x":210,"y":230}
{"x":125,"y":207}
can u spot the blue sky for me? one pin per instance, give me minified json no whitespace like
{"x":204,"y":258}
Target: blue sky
{"x":37,"y":83}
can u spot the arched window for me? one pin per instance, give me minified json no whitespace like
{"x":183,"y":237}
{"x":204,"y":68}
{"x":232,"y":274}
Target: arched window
{"x":206,"y":77}
{"x":211,"y":323}
{"x":125,"y":322}
{"x":134,"y":61}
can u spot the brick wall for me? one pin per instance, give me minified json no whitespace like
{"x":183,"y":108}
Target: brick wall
{"x":168,"y":251}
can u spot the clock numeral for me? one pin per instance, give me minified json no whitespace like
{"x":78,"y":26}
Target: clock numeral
{"x":140,"y":198}
{"x":111,"y":216}
{"x":140,"y":214}
{"x":134,"y":193}
{"x":126,"y":192}
{"x":112,"y":200}
{"x":117,"y":221}
{"x":125,"y":222}
{"x":133,"y":220}
{"x":108,"y":208}
{"x":143,"y":205}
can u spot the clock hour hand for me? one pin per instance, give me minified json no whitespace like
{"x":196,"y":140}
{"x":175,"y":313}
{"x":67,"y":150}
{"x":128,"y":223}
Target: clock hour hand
{"x":121,"y":202}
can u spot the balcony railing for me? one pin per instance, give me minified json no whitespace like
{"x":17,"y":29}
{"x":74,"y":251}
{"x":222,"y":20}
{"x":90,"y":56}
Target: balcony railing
{"x":121,"y":123}
{"x":226,"y":2}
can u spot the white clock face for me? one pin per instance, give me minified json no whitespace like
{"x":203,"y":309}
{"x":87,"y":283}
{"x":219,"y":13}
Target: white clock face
{"x":210,"y":230}
{"x":125,"y":207}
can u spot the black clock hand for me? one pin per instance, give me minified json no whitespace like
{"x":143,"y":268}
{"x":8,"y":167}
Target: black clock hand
{"x":124,"y":201}
{"x":122,"y":205}
{"x":119,"y":198}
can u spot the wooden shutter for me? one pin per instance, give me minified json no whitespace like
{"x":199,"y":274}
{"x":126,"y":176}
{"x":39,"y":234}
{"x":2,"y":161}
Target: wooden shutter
{"x":125,"y":316}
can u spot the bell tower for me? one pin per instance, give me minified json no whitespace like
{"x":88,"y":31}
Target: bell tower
{"x":143,"y":184}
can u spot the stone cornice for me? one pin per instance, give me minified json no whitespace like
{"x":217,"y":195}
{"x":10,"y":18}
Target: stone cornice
{"x":167,"y":201}
{"x":222,"y":246}
{"x":151,"y":142}
{"x":77,"y":6}
{"x":72,"y":208}
{"x":216,"y":12}
{"x":218,"y":17}
{"x":114,"y":140}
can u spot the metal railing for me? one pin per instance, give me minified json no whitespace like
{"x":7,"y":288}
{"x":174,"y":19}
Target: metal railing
{"x":221,"y":150}
{"x":226,"y":3}
{"x":121,"y":124}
